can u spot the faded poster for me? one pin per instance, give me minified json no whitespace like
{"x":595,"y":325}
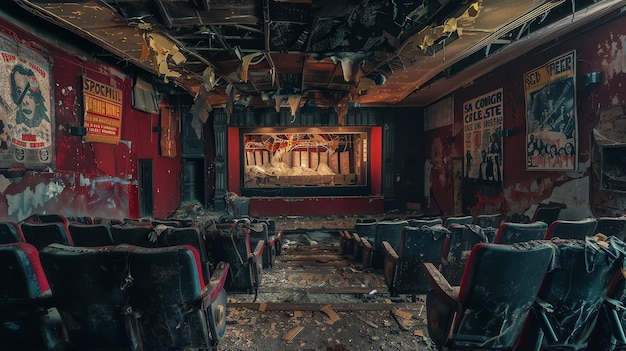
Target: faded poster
{"x":482,"y":130}
{"x":551,"y":123}
{"x":25,"y":107}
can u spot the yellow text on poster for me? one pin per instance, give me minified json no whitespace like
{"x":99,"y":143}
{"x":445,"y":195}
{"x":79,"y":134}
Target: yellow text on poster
{"x":103,"y":111}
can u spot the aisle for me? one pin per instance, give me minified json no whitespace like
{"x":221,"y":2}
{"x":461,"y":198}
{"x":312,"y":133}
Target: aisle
{"x":317,"y":298}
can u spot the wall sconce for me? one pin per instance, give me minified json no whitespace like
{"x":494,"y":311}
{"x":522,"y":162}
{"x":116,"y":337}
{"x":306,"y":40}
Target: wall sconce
{"x":78,"y":131}
{"x":507,"y":132}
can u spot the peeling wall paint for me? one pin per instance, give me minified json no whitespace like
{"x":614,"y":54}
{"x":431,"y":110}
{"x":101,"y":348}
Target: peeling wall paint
{"x":90,"y":179}
{"x":22,"y":205}
{"x":60,"y":194}
{"x":601,"y":119}
{"x":612,"y":51}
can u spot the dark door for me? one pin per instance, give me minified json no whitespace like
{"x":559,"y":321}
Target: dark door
{"x":146,"y":199}
{"x":193,"y":180}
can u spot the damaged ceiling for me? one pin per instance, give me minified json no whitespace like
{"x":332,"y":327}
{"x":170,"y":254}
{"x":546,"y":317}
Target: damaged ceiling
{"x":328,"y":53}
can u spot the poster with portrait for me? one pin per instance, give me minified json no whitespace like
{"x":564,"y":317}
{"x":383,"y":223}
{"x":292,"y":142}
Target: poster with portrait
{"x":482,"y":129}
{"x":26,"y":114}
{"x":551,"y":124}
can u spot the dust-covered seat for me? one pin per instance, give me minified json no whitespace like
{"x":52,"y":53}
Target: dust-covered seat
{"x":90,"y":235}
{"x":565,"y":229}
{"x":28,"y":320}
{"x":41,"y":235}
{"x":453,"y":220}
{"x":189,"y":236}
{"x":546,"y":214}
{"x":80,"y":219}
{"x":10,"y":232}
{"x":511,"y":233}
{"x":609,"y":333}
{"x":88,"y":285}
{"x":458,"y":246}
{"x":166,"y":222}
{"x":386,"y":230}
{"x":171,"y":305}
{"x":133,"y":233}
{"x":489,"y":307}
{"x":364,"y":229}
{"x":488,"y":220}
{"x":612,"y":226}
{"x":230,"y":242}
{"x":403,"y":267}
{"x":47,"y":218}
{"x":418,"y":222}
{"x":572,"y":294}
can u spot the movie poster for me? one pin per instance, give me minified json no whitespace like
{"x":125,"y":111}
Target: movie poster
{"x":26,"y":114}
{"x":482,"y":129}
{"x":103,"y":111}
{"x":551,"y":122}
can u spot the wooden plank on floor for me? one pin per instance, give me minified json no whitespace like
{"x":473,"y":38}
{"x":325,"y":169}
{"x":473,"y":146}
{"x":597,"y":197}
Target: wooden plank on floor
{"x":320,"y":251}
{"x":323,"y":290}
{"x":309,"y":306}
{"x":315,"y":258}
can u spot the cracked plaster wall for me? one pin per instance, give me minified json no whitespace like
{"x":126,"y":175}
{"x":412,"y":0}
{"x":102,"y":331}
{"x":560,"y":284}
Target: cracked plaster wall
{"x":90,"y":179}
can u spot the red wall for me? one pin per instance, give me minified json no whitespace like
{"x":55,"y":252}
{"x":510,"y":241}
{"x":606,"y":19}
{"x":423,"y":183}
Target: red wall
{"x":439,"y":152}
{"x":92,"y":179}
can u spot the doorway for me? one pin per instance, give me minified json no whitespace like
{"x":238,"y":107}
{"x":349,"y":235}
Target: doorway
{"x":193,"y":180}
{"x":146,"y":198}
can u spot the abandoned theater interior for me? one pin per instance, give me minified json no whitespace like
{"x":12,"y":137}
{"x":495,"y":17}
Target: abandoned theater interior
{"x":312,"y":175}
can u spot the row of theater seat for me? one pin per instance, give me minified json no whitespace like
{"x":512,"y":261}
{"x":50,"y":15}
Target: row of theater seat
{"x":399,"y":246}
{"x":120,"y":297}
{"x":248,"y":245}
{"x":558,"y":294}
{"x":405,"y":245}
{"x":94,"y":265}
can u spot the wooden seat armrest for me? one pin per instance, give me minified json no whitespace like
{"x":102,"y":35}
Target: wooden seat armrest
{"x":366,"y":244}
{"x":390,"y":253}
{"x":258,"y":250}
{"x":448,"y":294}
